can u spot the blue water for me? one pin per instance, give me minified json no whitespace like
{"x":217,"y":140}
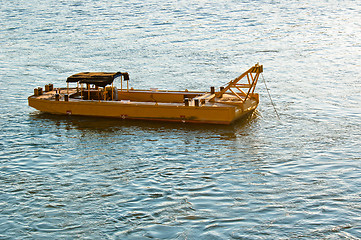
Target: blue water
{"x":262,"y":178}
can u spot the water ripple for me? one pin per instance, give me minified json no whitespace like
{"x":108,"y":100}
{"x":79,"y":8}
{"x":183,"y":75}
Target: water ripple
{"x":261,"y":178}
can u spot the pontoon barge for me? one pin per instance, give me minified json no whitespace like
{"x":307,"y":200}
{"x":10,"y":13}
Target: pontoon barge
{"x":96,"y":95}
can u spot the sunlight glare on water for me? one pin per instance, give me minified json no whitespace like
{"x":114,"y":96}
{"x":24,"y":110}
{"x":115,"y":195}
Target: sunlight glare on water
{"x":260,"y":178}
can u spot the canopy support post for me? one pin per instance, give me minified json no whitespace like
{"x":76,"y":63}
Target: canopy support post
{"x":121,"y":83}
{"x":81,"y":91}
{"x":112,"y":92}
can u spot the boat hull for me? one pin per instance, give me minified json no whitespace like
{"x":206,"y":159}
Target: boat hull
{"x":176,"y":112}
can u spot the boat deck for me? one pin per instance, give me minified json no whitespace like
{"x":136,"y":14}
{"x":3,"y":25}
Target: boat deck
{"x":145,"y":97}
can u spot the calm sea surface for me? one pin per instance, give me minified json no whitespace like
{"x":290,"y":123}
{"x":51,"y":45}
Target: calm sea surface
{"x":263,"y":178}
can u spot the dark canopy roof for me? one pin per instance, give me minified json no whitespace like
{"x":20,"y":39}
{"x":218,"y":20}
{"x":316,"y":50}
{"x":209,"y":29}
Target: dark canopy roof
{"x":100,"y":79}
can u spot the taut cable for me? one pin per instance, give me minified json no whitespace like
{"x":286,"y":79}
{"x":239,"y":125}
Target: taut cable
{"x":270,"y":98}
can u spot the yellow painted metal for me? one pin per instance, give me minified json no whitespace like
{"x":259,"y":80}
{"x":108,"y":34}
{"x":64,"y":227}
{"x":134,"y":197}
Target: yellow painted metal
{"x":88,"y":87}
{"x":221,"y":107}
{"x":252,"y":75}
{"x":112,"y":92}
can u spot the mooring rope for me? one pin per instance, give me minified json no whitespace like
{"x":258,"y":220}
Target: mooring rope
{"x":270,"y":97}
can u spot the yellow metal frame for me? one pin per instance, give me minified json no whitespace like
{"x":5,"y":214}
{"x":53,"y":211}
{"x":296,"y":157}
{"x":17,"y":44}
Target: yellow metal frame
{"x":252,"y":77}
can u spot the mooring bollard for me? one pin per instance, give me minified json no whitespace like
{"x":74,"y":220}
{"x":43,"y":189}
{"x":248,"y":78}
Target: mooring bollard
{"x":221,"y":89}
{"x":196,"y":102}
{"x":212,"y":90}
{"x":186,"y":102}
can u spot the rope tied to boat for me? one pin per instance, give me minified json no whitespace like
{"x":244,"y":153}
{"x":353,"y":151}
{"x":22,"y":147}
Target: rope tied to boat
{"x":269,"y":95}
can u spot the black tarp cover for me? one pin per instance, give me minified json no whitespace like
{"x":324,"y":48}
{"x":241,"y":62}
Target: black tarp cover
{"x":100,"y":79}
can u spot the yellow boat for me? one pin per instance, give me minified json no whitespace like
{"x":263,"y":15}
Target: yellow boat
{"x":96,"y":95}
